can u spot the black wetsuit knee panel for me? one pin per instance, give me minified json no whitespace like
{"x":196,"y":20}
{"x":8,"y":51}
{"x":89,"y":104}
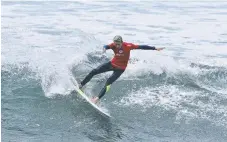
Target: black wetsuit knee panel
{"x":94,"y":71}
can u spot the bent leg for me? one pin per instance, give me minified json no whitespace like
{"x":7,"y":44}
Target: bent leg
{"x":116,"y":74}
{"x":102,"y":68}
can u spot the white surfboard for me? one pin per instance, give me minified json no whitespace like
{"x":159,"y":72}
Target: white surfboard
{"x":84,"y":96}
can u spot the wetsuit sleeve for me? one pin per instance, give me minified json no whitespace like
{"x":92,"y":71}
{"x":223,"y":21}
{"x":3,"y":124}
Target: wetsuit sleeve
{"x":109,"y":46}
{"x":146,"y":47}
{"x":106,"y":46}
{"x":132,"y":46}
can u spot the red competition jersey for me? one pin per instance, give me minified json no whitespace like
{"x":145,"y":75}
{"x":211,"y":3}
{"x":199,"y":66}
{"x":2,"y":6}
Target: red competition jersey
{"x":120,"y":60}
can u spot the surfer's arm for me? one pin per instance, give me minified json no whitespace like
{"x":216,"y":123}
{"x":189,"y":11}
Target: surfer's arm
{"x":147,"y":47}
{"x":143,"y":47}
{"x":105,"y":47}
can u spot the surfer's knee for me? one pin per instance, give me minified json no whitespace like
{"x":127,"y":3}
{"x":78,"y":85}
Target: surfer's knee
{"x":94,"y":72}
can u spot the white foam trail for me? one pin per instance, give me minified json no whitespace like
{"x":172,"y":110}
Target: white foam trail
{"x":187,"y":103}
{"x":52,"y":63}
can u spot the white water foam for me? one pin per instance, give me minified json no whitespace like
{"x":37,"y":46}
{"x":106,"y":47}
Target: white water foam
{"x":51,"y":63}
{"x":51,"y":44}
{"x":187,"y":103}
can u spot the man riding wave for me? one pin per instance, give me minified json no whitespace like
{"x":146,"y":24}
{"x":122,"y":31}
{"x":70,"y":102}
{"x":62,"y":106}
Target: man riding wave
{"x":118,"y":64}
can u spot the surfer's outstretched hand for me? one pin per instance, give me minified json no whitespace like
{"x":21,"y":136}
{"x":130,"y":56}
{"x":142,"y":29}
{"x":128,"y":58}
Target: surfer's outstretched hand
{"x":159,"y":49}
{"x":94,"y":100}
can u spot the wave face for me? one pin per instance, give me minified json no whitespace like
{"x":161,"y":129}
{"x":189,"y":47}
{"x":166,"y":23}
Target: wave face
{"x":179,"y":94}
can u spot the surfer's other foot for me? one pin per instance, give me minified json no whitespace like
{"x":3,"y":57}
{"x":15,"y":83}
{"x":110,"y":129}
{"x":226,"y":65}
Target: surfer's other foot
{"x":95,"y":100}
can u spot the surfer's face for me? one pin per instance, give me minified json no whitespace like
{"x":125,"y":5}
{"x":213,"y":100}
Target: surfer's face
{"x":118,"y":44}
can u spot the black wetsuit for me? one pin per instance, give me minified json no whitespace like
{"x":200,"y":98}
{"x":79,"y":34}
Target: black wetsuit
{"x":109,"y":67}
{"x":101,"y":69}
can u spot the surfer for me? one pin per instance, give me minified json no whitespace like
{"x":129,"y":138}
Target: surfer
{"x":118,"y":64}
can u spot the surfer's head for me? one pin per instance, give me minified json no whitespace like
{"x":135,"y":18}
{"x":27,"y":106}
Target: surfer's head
{"x":118,"y":41}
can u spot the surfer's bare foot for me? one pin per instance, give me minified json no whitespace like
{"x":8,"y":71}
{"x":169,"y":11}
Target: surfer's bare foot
{"x":94,"y":99}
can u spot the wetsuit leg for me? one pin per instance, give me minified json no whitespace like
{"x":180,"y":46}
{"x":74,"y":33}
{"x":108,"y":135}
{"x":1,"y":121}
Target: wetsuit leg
{"x":100,"y":69}
{"x":116,"y":74}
